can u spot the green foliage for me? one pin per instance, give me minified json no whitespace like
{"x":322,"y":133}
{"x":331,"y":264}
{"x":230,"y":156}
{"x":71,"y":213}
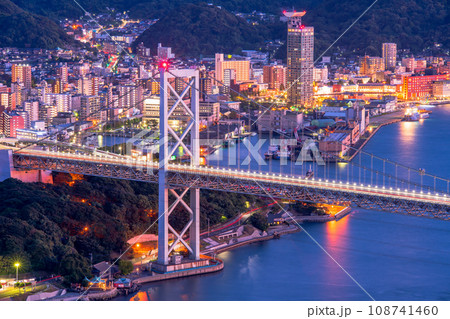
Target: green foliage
{"x":308,"y":209}
{"x":125,"y":267}
{"x":74,"y":268}
{"x":202,"y":29}
{"x":55,"y":228}
{"x":414,"y":24}
{"x":259,"y":221}
{"x":19,"y":28}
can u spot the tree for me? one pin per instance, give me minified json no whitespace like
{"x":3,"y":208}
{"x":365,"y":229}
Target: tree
{"x":259,"y":221}
{"x":125,"y":267}
{"x":74,"y":268}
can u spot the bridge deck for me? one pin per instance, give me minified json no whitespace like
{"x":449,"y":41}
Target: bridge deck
{"x":241,"y":181}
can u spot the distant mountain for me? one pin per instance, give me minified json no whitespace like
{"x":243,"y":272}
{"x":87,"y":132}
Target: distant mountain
{"x":19,"y":28}
{"x":152,"y":8}
{"x":196,"y":29}
{"x":415,"y":24}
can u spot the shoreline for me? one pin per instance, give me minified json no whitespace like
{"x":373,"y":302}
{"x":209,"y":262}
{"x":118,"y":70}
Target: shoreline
{"x":378,"y":126}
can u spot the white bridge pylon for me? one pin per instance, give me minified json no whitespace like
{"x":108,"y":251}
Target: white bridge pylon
{"x":188,"y":102}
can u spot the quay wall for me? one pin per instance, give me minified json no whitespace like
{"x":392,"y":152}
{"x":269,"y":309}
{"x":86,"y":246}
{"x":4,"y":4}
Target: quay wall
{"x":179,"y":274}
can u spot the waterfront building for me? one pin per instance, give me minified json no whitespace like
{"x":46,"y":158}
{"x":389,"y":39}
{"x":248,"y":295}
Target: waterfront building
{"x":335,"y":145}
{"x":389,"y":55}
{"x":30,"y":134}
{"x":209,"y":111}
{"x":282,"y":120}
{"x":441,"y":89}
{"x":419,"y":87}
{"x":300,"y":58}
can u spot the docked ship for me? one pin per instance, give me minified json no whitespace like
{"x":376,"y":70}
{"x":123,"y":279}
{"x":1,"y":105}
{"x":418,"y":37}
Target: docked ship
{"x":411,"y":115}
{"x":272,"y":152}
{"x":424,"y":114}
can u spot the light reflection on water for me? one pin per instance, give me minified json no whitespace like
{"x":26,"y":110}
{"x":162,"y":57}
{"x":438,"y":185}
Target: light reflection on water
{"x":394,"y":257}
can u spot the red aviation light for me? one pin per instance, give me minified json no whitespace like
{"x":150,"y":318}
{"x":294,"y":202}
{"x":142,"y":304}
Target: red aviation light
{"x":164,"y":65}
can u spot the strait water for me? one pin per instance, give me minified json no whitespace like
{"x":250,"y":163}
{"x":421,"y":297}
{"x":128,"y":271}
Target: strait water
{"x":393,"y":257}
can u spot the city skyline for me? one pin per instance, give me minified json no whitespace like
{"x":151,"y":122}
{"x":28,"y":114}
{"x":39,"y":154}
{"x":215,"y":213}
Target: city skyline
{"x":133,"y":170}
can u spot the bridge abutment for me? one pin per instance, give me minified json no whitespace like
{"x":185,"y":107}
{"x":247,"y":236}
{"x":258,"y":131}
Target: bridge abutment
{"x":7,"y":170}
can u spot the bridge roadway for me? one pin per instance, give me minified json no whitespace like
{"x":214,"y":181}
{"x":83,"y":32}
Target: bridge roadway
{"x":278,"y":186}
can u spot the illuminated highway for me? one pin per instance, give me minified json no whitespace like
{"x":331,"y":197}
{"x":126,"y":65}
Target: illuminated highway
{"x":243,"y":181}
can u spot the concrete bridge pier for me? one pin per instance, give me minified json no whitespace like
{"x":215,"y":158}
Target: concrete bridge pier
{"x":7,"y":170}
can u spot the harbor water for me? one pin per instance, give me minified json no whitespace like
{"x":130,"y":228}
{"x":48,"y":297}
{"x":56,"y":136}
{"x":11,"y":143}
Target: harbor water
{"x":392,"y":256}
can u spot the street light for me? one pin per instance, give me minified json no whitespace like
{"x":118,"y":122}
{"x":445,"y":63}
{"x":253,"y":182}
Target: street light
{"x":17,"y":271}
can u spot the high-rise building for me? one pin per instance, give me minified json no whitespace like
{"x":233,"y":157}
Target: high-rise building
{"x":240,"y":67}
{"x":10,"y":122}
{"x":209,"y":111}
{"x":205,"y":85}
{"x":62,"y":102}
{"x":321,"y":74}
{"x":88,"y":85}
{"x":300,"y":55}
{"x":275,"y":76}
{"x":32,"y":108}
{"x":229,"y":77}
{"x":165,"y":53}
{"x":142,"y":50}
{"x":63,"y":74}
{"x":90,"y":108}
{"x":21,"y":73}
{"x":389,"y":55}
{"x":8,"y":100}
{"x":409,"y":64}
{"x":81,"y":70}
{"x":370,"y":65}
{"x":130,"y":96}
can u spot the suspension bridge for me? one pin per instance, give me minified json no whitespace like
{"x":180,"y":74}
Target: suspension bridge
{"x":388,"y":185}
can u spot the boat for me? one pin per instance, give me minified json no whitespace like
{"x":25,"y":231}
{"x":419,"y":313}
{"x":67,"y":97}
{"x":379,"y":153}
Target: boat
{"x":411,"y":115}
{"x":228,"y":142}
{"x":284,"y":154}
{"x":424,"y":114}
{"x":309,"y":173}
{"x":273,"y":148}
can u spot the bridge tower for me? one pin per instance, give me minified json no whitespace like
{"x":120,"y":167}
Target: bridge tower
{"x":177,"y":102}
